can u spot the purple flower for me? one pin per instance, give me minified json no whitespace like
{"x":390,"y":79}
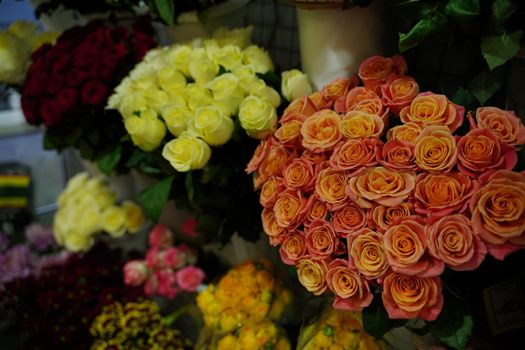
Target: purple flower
{"x":15,"y":263}
{"x":4,"y":242}
{"x":40,"y":237}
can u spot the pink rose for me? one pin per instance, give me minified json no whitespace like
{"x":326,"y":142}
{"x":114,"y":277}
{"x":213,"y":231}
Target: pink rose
{"x":189,"y":278}
{"x":321,"y":240}
{"x":135,"y":272}
{"x":174,"y":257}
{"x":351,"y":290}
{"x":167,"y":283}
{"x":293,"y":248}
{"x":505,"y":124}
{"x":160,"y":236}
{"x":189,"y":228}
{"x":155,"y":258}
{"x":152,"y":285}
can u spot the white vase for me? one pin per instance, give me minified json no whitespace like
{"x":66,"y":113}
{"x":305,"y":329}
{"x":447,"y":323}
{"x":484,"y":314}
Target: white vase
{"x":333,"y":42}
{"x":239,"y":250}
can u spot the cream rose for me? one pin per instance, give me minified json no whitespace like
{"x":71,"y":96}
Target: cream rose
{"x":177,"y":118}
{"x":295,"y":84}
{"x":257,"y":58}
{"x":212,"y":126}
{"x":258,"y":117}
{"x":187,"y":153}
{"x":146,"y":131}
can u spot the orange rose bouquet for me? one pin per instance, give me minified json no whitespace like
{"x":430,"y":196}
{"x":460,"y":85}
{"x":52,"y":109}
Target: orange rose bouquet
{"x":372,"y":191}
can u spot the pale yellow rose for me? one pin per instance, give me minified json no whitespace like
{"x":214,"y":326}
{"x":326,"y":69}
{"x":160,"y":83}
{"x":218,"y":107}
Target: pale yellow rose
{"x":180,"y":57}
{"x":133,"y":216}
{"x":170,"y":78}
{"x":260,"y":89}
{"x":156,"y":99}
{"x":239,"y":36}
{"x":228,"y":56}
{"x":176,"y":118}
{"x":177,"y":95}
{"x":201,"y":68}
{"x":104,"y":198}
{"x":131,"y":104}
{"x":146,"y":131}
{"x":212,"y":126}
{"x":89,"y":220}
{"x":198,"y":96}
{"x":24,"y":30}
{"x":258,"y":117}
{"x":227,"y":93}
{"x":187,"y":153}
{"x":14,"y":59}
{"x":43,"y":38}
{"x":258,"y":58}
{"x":76,"y":242}
{"x":246,"y":76}
{"x":114,"y":221}
{"x":77,"y":182}
{"x":295,"y":84}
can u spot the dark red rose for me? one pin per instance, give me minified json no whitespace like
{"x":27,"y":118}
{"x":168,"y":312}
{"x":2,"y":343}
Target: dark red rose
{"x":142,"y":43}
{"x":55,"y":84}
{"x":40,"y":52}
{"x":94,"y":93}
{"x":35,"y":85}
{"x":60,"y":65}
{"x":50,"y":112}
{"x":67,"y":100}
{"x":29,"y":107}
{"x":76,"y":77}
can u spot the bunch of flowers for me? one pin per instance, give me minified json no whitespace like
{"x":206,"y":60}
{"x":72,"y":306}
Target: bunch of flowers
{"x":86,"y":207}
{"x":134,"y":325}
{"x":355,"y":204}
{"x":336,"y":329}
{"x":167,"y":269}
{"x":257,"y":336}
{"x":249,"y":292}
{"x":16,"y":45}
{"x":68,"y":84}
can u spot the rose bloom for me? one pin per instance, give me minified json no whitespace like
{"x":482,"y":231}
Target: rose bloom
{"x":452,"y":240}
{"x":299,"y":109}
{"x":407,"y":297}
{"x":330,"y":187}
{"x":189,"y":278}
{"x":299,"y":174}
{"x":339,"y":87}
{"x":315,"y":209}
{"x":320,"y":101}
{"x":440,"y":195}
{"x":353,"y":98}
{"x":357,"y":124}
{"x":432,"y":109}
{"x":365,"y":247}
{"x":375,"y":70}
{"x":293,"y":248}
{"x":271,"y":227}
{"x":321,"y":240}
{"x":405,"y":246}
{"x":398,"y":92}
{"x":316,"y":157}
{"x":505,"y":124}
{"x":272,"y":164}
{"x":384,"y":217}
{"x":312,"y":275}
{"x":289,"y":208}
{"x":381,"y":185}
{"x":135,"y":272}
{"x":436,"y":149}
{"x":289,"y":133}
{"x":270,"y":191}
{"x":351,"y":290}
{"x":405,"y":132}
{"x":397,"y":154}
{"x":498,"y":208}
{"x":321,"y":131}
{"x":354,"y":154}
{"x":372,"y":106}
{"x":480,"y":151}
{"x":259,"y":155}
{"x":160,"y":236}
{"x":349,"y":219}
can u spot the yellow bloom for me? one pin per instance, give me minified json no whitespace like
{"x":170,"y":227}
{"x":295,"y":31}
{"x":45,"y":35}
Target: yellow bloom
{"x":228,"y":56}
{"x":258,"y":58}
{"x":295,"y":84}
{"x":187,"y":153}
{"x":258,"y":117}
{"x":113,"y":221}
{"x":134,"y":216}
{"x":212,"y":126}
{"x":239,"y":36}
{"x":14,"y":59}
{"x":146,"y":131}
{"x":177,"y":118}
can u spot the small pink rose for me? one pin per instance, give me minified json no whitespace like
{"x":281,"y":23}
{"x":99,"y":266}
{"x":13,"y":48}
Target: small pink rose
{"x":174,"y":258}
{"x":160,"y":236}
{"x":189,"y":227}
{"x":152,"y":285}
{"x":167,"y":283}
{"x":189,"y":278}
{"x":135,"y":272}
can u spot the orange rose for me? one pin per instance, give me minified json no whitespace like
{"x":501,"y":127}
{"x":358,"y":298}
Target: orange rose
{"x":354,"y":154}
{"x":405,"y":246}
{"x":321,"y":131}
{"x":405,"y":132}
{"x":361,"y":125}
{"x":319,"y":101}
{"x":289,"y":133}
{"x":321,"y":241}
{"x":330,"y":187}
{"x":397,"y":154}
{"x":407,"y":297}
{"x":368,"y":254}
{"x":293,"y":248}
{"x":432,"y":109}
{"x":272,"y":164}
{"x":351,"y":290}
{"x":375,"y":70}
{"x":452,"y":240}
{"x":258,"y":156}
{"x":270,"y":190}
{"x":271,"y":227}
{"x":505,"y":124}
{"x":480,"y":151}
{"x":349,"y":219}
{"x":498,"y":208}
{"x":381,"y":185}
{"x":354,"y":97}
{"x":289,"y":209}
{"x":440,"y":195}
{"x":384,"y":217}
{"x":316,"y":209}
{"x":299,"y":109}
{"x":399,"y":92}
{"x":299,"y":174}
{"x":436,"y":149}
{"x":314,"y":157}
{"x":339,"y":87}
{"x":372,"y":106}
{"x":312,"y":275}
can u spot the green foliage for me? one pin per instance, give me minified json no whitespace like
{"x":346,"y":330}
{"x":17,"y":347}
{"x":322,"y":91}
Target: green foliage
{"x":498,"y":49}
{"x":464,"y":97}
{"x":486,"y":84}
{"x":431,"y":24}
{"x":153,"y":199}
{"x":375,"y":319}
{"x":502,"y":10}
{"x":107,"y":161}
{"x":166,"y":10}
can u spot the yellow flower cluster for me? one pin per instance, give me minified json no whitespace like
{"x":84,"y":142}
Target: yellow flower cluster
{"x":253,"y":336}
{"x":16,"y":45}
{"x":86,"y":207}
{"x":193,"y":91}
{"x":249,"y":292}
{"x":134,"y":326}
{"x":337,"y":330}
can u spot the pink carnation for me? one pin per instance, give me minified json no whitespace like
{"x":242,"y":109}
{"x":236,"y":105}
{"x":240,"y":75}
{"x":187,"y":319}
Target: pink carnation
{"x":189,"y":278}
{"x":135,"y":272}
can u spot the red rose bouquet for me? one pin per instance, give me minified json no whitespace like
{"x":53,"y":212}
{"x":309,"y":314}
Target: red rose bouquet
{"x":375,"y":189}
{"x":68,"y":84}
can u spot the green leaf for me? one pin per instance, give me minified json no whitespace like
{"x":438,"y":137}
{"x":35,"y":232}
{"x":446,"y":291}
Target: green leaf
{"x":271,"y":79}
{"x":502,"y":10}
{"x":462,"y":9}
{"x":484,"y":85}
{"x":166,"y":10}
{"x":136,"y":158}
{"x":454,"y":324}
{"x":464,"y":97}
{"x":49,"y":141}
{"x":425,"y":28}
{"x":189,"y":186}
{"x":153,"y":199}
{"x":499,"y":49}
{"x":109,"y":160}
{"x":375,"y":319}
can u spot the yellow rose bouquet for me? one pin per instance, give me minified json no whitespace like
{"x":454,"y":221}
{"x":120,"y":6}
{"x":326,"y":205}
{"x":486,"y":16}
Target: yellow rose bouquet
{"x":195,"y":112}
{"x":88,"y":207}
{"x":375,"y":192}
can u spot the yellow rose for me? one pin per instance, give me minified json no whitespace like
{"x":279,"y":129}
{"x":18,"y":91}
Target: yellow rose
{"x":87,"y":219}
{"x":198,"y":96}
{"x":212,"y":126}
{"x":228,"y":56}
{"x":131,"y":103}
{"x":170,"y":78}
{"x":295,"y":84}
{"x":77,"y":182}
{"x":133,"y":215}
{"x":187,"y":153}
{"x":258,"y":58}
{"x":43,"y":38}
{"x":227,"y":93}
{"x":114,"y":221}
{"x":180,"y":57}
{"x":246,"y":76}
{"x":146,"y":131}
{"x":260,"y":89}
{"x":14,"y":59}
{"x":239,"y":36}
{"x":104,"y":198}
{"x":156,"y":98}
{"x":76,"y":242}
{"x":201,"y":68}
{"x":24,"y":30}
{"x":258,"y":117}
{"x":176,"y":118}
